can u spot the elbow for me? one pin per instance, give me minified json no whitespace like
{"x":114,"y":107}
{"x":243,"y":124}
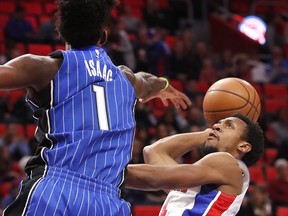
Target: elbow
{"x":148,"y":154}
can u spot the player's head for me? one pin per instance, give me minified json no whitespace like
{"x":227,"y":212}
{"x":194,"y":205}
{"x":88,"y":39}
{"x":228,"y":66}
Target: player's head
{"x":253,"y":135}
{"x":238,"y":135}
{"x":80,"y":22}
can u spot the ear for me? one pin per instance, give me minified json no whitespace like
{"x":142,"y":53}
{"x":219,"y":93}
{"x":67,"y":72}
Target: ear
{"x":244,"y":147}
{"x":103,"y":38}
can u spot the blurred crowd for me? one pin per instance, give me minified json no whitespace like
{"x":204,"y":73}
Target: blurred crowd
{"x":162,"y":41}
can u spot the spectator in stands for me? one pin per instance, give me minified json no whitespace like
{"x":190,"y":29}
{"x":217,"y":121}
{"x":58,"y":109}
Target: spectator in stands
{"x":13,"y":191}
{"x":278,"y":188}
{"x":155,"y":16}
{"x":47,"y":30}
{"x":256,"y":203}
{"x":120,"y":47}
{"x":4,"y":110}
{"x":113,"y":44}
{"x":5,"y":164}
{"x":275,"y":34}
{"x":193,"y":93}
{"x":130,"y":22}
{"x":242,"y":68}
{"x":144,"y":115}
{"x":18,"y":29}
{"x":282,"y":150}
{"x":179,"y":61}
{"x":17,"y":145}
{"x":208,"y":73}
{"x":173,"y":121}
{"x":195,"y":117}
{"x":158,"y":53}
{"x":21,"y":111}
{"x":12,"y":51}
{"x":258,"y":70}
{"x":200,"y":53}
{"x":187,"y":36}
{"x":277,"y":69}
{"x":7,"y":174}
{"x":141,"y":47}
{"x":225,"y":63}
{"x":126,"y":46}
{"x":279,"y":126}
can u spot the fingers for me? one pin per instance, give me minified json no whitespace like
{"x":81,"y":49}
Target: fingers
{"x":165,"y":102}
{"x":180,"y":102}
{"x":186,"y":99}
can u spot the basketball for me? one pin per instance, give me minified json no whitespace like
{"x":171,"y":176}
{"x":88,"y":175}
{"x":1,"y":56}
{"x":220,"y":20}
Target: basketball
{"x":229,"y":96}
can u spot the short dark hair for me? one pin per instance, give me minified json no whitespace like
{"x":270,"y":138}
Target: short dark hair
{"x":253,"y":134}
{"x":80,"y":22}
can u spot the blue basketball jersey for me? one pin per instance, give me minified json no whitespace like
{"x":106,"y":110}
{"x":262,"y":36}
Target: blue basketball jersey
{"x":86,"y":123}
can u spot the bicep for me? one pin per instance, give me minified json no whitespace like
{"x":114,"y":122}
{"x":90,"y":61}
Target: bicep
{"x":12,"y":78}
{"x":216,"y":169}
{"x":188,"y":176}
{"x":22,"y":72}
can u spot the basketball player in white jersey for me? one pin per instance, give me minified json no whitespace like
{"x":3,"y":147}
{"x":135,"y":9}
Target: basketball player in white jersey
{"x":215,"y":184}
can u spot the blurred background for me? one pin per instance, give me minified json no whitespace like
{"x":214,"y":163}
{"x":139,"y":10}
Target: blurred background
{"x":193,"y":43}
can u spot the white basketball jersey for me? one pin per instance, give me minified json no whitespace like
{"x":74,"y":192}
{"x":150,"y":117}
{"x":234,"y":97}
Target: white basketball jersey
{"x":205,"y":200}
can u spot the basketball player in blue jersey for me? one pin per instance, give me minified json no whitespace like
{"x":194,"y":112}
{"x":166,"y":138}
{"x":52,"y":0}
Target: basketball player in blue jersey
{"x":84,"y":107}
{"x":214,"y":185}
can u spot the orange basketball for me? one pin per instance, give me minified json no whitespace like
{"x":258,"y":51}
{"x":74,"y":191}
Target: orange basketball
{"x":229,"y":96}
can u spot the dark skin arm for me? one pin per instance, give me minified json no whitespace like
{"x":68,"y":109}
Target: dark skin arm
{"x":28,"y":71}
{"x":35,"y":72}
{"x":217,"y":168}
{"x":148,"y":86}
{"x":167,"y":150}
{"x":161,"y":170}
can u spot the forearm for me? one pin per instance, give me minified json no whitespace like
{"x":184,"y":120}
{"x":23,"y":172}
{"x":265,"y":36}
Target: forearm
{"x":167,"y":150}
{"x":139,"y":177}
{"x":151,"y":177}
{"x":151,"y":85}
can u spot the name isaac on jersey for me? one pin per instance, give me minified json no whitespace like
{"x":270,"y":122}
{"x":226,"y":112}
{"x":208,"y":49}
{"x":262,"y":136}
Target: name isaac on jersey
{"x":92,"y":71}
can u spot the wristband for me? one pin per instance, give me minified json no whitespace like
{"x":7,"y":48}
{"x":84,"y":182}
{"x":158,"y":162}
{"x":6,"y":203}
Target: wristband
{"x":166,"y":83}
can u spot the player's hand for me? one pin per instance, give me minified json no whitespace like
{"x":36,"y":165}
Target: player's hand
{"x":177,"y":98}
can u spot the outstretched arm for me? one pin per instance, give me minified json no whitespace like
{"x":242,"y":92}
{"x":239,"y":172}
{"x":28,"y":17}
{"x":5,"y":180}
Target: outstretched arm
{"x":148,"y":86}
{"x":27,"y":71}
{"x":216,"y":168}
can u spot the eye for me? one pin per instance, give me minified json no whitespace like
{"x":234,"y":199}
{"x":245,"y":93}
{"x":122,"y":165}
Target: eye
{"x":229,"y":125}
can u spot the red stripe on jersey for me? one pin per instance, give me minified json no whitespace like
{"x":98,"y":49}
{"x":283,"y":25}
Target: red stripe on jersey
{"x":163,"y":210}
{"x":221,"y":205}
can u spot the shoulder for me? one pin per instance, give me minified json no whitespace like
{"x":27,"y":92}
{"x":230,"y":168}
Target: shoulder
{"x":222,"y":162}
{"x":128,"y":73}
{"x":219,"y":157}
{"x":40,"y":69}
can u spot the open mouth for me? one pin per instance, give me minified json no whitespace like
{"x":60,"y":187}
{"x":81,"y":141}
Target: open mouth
{"x":212,"y":135}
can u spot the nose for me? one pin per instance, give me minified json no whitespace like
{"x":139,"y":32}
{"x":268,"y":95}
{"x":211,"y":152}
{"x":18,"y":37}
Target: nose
{"x":216,"y":127}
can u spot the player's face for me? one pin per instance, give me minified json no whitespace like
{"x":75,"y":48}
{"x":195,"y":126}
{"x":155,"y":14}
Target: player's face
{"x":226,"y":134}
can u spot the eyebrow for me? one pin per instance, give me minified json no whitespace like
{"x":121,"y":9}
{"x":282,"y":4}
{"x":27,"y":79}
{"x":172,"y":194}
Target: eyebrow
{"x":227,"y":121}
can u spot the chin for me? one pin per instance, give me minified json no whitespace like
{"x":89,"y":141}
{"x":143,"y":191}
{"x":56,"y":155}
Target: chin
{"x":206,"y":149}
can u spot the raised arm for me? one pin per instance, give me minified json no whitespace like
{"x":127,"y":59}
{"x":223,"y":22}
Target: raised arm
{"x":165,"y":151}
{"x":148,"y":86}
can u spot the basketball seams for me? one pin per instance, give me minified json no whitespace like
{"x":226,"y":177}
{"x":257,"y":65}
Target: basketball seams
{"x":233,"y":93}
{"x":226,"y":91}
{"x":250,"y":102}
{"x":239,"y":93}
{"x":248,"y":99}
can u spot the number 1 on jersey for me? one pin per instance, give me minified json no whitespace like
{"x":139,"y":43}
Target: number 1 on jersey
{"x":101,"y":107}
